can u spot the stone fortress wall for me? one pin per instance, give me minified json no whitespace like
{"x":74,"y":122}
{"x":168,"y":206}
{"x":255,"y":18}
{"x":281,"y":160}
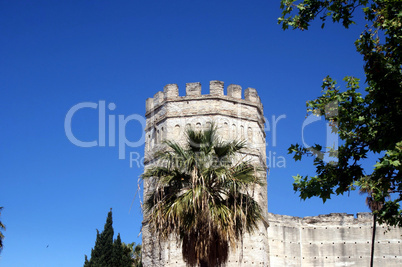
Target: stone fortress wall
{"x":337,"y":239}
{"x":325,"y":240}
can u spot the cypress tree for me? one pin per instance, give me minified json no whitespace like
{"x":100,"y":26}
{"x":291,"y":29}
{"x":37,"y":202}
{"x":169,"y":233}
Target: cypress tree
{"x":86,"y":263}
{"x":101,"y":254}
{"x":122,"y":254}
{"x":107,"y":253}
{"x":117,"y":252}
{"x":106,"y":244}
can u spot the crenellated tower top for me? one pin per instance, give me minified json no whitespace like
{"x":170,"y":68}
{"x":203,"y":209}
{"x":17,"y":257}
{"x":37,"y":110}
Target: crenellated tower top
{"x":193,"y":91}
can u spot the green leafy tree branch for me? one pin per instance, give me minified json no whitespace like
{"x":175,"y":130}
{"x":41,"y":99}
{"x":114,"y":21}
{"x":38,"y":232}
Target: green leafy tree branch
{"x":368,"y":123}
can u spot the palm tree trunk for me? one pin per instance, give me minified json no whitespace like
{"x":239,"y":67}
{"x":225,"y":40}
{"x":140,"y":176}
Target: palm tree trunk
{"x":373,"y":240}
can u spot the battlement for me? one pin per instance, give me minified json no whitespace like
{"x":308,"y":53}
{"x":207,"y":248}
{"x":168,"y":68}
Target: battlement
{"x":193,"y":91}
{"x":336,"y":218}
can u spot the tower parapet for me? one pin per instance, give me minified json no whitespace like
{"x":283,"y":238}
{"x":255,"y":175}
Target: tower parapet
{"x":236,"y":117}
{"x":216,"y":90}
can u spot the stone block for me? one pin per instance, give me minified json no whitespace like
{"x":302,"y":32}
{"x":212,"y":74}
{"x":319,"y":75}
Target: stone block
{"x":251,"y":95}
{"x":216,"y":88}
{"x":171,"y":91}
{"x":234,"y":91}
{"x":193,"y":89}
{"x":149,"y":104}
{"x":159,"y":97}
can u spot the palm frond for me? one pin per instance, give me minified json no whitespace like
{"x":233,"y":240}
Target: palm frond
{"x":228,"y":149}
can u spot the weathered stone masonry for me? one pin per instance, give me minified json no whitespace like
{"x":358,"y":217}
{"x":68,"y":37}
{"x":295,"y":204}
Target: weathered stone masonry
{"x":337,"y":239}
{"x":325,"y":240}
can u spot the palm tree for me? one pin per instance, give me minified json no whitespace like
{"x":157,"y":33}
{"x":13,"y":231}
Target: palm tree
{"x":367,"y":187}
{"x":2,"y":227}
{"x":202,"y":196}
{"x":135,"y":253}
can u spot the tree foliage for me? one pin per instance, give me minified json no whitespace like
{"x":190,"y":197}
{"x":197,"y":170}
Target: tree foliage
{"x":367,"y":123}
{"x":137,"y":255}
{"x":2,"y":228}
{"x":135,"y":252}
{"x":109,"y":253}
{"x":202,"y":195}
{"x":121,"y":255}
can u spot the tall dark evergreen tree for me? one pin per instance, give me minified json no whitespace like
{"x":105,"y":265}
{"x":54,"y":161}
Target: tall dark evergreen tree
{"x":117,"y":251}
{"x":107,"y":253}
{"x":86,"y":263}
{"x":121,"y":256}
{"x":101,"y":254}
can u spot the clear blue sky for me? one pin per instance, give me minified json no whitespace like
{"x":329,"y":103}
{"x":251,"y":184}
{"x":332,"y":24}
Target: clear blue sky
{"x":57,"y":54}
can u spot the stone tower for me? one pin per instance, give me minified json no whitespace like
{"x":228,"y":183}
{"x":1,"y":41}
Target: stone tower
{"x":168,"y":115}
